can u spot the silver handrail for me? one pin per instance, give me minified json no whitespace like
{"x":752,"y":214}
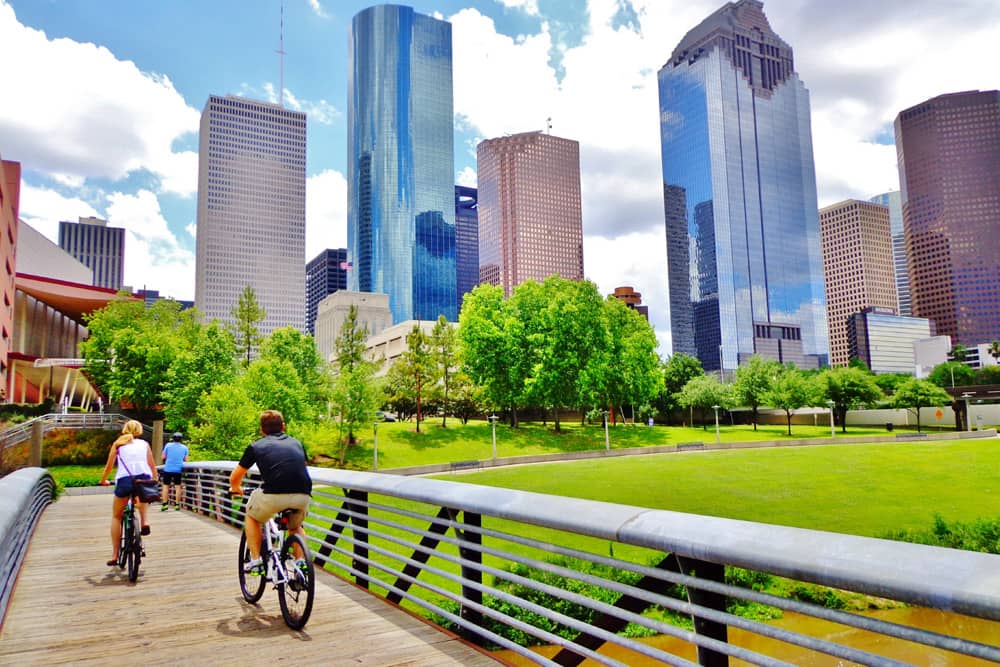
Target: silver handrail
{"x":23,"y":496}
{"x":449,"y":548}
{"x":19,"y":433}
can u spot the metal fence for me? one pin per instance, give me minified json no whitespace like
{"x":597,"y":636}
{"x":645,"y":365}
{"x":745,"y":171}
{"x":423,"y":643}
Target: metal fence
{"x":509,"y":569}
{"x":23,"y":496}
{"x":20,"y":433}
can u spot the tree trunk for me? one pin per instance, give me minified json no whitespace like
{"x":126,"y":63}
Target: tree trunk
{"x":555,"y":418}
{"x":788,"y":417}
{"x":754,"y":414}
{"x":419,"y":413}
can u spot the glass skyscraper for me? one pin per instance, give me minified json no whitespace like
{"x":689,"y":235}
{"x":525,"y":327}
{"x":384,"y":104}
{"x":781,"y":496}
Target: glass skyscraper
{"x":895,"y":204}
{"x":743,"y":250}
{"x":400,"y":162}
{"x":466,"y":241}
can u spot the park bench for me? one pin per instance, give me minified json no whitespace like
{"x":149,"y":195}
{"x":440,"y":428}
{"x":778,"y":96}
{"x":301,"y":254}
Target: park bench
{"x":465,"y":465}
{"x":690,"y":445}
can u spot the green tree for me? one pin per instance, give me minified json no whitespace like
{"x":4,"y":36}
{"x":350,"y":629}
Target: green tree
{"x":442,"y":345}
{"x":417,"y":365}
{"x":678,"y":369}
{"x":888,"y":382}
{"x":915,"y":394}
{"x":791,"y":390}
{"x":354,"y":395}
{"x":571,"y":334}
{"x":131,"y":348}
{"x":848,"y":388}
{"x":351,"y":342}
{"x":291,"y":345}
{"x":703,"y":392}
{"x":247,"y":314}
{"x":628,"y":367}
{"x":467,"y":398}
{"x":753,"y":383}
{"x":951,"y":374}
{"x":196,"y":369}
{"x":994,"y":350}
{"x":400,"y":391}
{"x":228,"y":422}
{"x":273,"y":384}
{"x":959,"y":353}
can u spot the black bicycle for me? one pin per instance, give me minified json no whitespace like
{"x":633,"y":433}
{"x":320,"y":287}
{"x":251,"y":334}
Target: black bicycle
{"x":130,"y":550}
{"x":294,"y":578}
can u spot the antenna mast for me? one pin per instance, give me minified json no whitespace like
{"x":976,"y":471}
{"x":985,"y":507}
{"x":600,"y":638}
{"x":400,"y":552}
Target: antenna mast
{"x":281,"y":57}
{"x":548,"y":125}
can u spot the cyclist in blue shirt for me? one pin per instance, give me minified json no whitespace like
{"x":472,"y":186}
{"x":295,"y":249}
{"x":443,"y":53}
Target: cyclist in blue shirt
{"x":174,"y":456}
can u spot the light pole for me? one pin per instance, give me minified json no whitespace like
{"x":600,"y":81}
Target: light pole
{"x":493,"y":423}
{"x":968,"y":415}
{"x":607,"y":443}
{"x":833,"y":432}
{"x":374,"y":446}
{"x":722,"y":366}
{"x":716,"y":408}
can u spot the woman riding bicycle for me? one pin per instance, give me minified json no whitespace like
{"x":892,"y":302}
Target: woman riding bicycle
{"x":135,"y":459}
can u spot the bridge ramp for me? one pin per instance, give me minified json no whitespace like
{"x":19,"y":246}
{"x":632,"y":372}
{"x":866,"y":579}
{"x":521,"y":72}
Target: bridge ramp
{"x":186,"y":607}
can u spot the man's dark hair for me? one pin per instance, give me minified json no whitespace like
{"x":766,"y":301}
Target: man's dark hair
{"x":271,"y":422}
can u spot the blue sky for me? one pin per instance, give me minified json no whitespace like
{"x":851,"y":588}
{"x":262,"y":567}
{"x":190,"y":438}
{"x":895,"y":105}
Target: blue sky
{"x":101,"y":103}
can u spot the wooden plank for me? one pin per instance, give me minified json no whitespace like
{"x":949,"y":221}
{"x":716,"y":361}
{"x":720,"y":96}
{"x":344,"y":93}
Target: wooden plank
{"x":186,"y":607}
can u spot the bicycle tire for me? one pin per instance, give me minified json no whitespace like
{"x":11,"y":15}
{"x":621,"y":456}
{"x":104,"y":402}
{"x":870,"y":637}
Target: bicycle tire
{"x":251,"y":585}
{"x":134,"y":557}
{"x":126,"y":538}
{"x":296,"y":597}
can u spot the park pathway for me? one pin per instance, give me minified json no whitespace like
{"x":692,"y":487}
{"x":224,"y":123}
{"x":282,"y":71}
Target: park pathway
{"x":186,"y":607}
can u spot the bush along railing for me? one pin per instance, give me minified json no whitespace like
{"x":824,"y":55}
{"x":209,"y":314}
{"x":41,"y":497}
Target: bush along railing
{"x":24,"y":494}
{"x":509,"y":569}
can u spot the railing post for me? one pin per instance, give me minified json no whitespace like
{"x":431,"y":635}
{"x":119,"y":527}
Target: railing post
{"x":157,"y":443}
{"x":35,"y":454}
{"x":470,"y":542}
{"x":713,"y":629}
{"x":360,"y":529}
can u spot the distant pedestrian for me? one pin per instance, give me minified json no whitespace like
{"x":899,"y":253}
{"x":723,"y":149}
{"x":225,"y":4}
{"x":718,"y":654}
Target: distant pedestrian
{"x":174,"y":456}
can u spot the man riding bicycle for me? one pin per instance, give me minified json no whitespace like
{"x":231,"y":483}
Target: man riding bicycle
{"x":286,"y":484}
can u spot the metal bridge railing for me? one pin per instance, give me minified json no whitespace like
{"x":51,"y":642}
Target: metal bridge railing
{"x":23,"y":496}
{"x":508,"y":568}
{"x":19,"y":433}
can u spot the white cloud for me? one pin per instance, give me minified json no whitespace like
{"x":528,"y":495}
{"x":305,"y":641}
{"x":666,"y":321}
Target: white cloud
{"x":326,"y":212}
{"x":320,"y":112}
{"x":43,"y":208}
{"x":467,"y":177}
{"x":89,"y":114}
{"x":153,"y":257}
{"x":318,"y":9}
{"x":529,"y":7}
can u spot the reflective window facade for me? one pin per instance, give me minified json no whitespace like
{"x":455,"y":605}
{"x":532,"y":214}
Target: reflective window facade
{"x":98,"y":247}
{"x":743,"y":250}
{"x":326,"y":273}
{"x":400,"y":166}
{"x":949,"y":170}
{"x":893,"y":201}
{"x":466,"y":240}
{"x":885,"y":341}
{"x":251,"y":211}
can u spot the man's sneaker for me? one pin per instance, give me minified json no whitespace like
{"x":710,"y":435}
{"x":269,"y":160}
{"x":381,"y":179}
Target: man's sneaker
{"x":164,"y":507}
{"x":254,"y":566}
{"x":302,"y":566}
{"x":177,"y":508}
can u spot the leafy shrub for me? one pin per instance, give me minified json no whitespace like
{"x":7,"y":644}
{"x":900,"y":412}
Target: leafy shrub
{"x":982,"y":535}
{"x":76,"y":447}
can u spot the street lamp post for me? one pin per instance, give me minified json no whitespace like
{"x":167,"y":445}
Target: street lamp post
{"x":722,"y":366}
{"x":968,"y":415}
{"x":374,"y":446}
{"x":833,"y":432}
{"x":716,"y":408}
{"x":607,"y":442}
{"x":493,"y":424}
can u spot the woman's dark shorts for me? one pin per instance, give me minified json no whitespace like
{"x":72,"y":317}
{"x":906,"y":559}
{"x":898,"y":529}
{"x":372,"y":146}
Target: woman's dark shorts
{"x":123,"y":485}
{"x":169,"y":478}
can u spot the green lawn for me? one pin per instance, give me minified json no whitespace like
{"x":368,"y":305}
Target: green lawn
{"x":865,"y":489}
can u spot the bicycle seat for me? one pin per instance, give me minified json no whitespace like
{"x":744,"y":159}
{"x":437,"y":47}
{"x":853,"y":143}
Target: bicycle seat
{"x":284,"y":515}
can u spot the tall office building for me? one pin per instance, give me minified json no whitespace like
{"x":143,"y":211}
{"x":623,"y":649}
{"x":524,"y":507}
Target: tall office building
{"x":400,"y":161}
{"x":857,"y":267}
{"x":99,"y":247}
{"x":949,"y":157}
{"x":466,"y":241}
{"x":251,"y":210}
{"x":743,"y":252}
{"x":530,"y":222}
{"x":326,"y":273}
{"x":895,"y":204}
{"x":10,"y":196}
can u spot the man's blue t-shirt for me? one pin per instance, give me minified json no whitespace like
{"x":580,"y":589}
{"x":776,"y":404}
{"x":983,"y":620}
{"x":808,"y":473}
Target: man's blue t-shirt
{"x":174,"y":454}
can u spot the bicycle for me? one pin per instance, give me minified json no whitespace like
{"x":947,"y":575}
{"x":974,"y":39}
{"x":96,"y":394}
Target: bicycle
{"x":294,"y":580}
{"x":130,"y":551}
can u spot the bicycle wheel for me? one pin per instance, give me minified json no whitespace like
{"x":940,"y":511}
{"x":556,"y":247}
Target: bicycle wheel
{"x":296,"y":597}
{"x":134,"y":557}
{"x":126,"y":540}
{"x":252,"y":585}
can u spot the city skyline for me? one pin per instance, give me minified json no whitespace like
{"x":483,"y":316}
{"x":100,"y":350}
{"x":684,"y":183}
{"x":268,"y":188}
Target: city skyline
{"x":515,"y":67}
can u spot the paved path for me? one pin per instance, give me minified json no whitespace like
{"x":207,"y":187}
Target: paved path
{"x":186,"y":607}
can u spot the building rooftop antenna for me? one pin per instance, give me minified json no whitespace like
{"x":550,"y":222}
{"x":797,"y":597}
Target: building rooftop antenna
{"x":281,"y":57}
{"x":548,"y":125}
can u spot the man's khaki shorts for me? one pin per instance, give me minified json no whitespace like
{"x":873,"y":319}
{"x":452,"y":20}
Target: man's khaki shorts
{"x":262,"y":506}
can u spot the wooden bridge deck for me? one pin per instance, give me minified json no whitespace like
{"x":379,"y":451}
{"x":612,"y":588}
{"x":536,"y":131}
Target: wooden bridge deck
{"x":186,"y":607}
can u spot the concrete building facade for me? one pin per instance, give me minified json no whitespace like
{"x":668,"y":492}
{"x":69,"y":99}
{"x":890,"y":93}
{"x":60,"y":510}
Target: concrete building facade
{"x":530,"y":220}
{"x":374,"y":315}
{"x":10,"y":201}
{"x":884,"y":340}
{"x":857,"y":267}
{"x":98,"y":246}
{"x":251,"y":210}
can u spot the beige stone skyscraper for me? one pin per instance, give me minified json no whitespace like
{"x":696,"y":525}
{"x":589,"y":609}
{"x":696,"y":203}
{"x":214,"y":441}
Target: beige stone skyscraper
{"x":530,"y":221}
{"x":857,"y":266}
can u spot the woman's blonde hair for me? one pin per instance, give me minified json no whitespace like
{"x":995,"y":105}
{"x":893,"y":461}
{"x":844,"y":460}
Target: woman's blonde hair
{"x":130,"y":431}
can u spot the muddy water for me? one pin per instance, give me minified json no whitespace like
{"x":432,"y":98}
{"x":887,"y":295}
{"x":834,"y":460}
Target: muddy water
{"x":986,"y":632}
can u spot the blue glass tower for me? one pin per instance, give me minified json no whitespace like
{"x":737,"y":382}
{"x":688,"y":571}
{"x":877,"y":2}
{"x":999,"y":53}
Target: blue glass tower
{"x":400,"y":162}
{"x":743,"y":250}
{"x":466,"y":240}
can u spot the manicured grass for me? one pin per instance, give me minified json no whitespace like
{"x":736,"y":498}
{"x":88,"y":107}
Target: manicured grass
{"x":864,"y":489}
